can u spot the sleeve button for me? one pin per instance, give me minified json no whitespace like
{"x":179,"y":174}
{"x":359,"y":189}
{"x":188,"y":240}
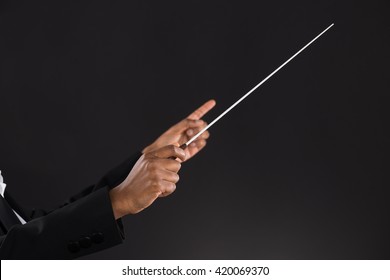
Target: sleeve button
{"x":85,"y":242}
{"x":97,"y":237}
{"x":73,"y":246}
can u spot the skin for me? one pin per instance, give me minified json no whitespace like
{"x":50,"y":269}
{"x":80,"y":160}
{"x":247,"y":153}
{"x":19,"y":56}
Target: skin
{"x":155,"y":174}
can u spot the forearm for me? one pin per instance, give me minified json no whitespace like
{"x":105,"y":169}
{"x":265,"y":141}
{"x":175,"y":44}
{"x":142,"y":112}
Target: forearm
{"x":83,"y":227}
{"x":111,"y":179}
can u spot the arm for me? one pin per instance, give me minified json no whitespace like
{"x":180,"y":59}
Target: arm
{"x":110,"y":180}
{"x":84,"y":224}
{"x":87,"y":222}
{"x":82,"y":227}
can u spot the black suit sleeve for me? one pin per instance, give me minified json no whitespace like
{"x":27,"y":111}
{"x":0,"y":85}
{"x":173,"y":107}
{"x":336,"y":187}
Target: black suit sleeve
{"x":111,"y":179}
{"x":83,"y":225}
{"x":80,"y":228}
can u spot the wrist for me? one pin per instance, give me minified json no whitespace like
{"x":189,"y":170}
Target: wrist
{"x":117,"y":209}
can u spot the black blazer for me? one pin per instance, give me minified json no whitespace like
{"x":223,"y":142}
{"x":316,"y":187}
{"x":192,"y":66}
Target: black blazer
{"x":84,"y":224}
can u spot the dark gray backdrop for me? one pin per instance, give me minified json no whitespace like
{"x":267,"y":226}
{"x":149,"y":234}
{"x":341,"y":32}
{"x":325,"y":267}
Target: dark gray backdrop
{"x":295,"y":172}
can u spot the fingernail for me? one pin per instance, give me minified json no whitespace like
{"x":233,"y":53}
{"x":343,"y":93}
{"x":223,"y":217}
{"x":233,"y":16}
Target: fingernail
{"x":190,"y":132}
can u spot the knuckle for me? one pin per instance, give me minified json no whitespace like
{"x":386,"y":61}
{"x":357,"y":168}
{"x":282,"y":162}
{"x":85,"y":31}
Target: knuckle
{"x":157,"y":186}
{"x":172,"y":148}
{"x":154,"y":173}
{"x":157,"y":174}
{"x":176,"y":150}
{"x":171,"y":188}
{"x":152,"y":166}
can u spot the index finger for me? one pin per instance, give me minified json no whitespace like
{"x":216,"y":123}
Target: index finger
{"x":202,"y":110}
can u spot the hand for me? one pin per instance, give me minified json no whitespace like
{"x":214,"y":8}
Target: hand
{"x":154,"y":175}
{"x":183,"y":131}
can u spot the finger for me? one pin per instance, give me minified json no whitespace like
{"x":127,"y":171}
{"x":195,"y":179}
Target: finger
{"x":168,"y":188}
{"x":170,"y":151}
{"x":197,"y":145}
{"x":202,"y":110}
{"x":169,"y":176}
{"x":171,"y":165}
{"x":192,"y":132}
{"x":205,"y":135}
{"x":186,"y":124}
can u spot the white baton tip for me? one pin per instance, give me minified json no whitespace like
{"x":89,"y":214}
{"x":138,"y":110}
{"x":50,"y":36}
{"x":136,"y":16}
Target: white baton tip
{"x":254,"y":88}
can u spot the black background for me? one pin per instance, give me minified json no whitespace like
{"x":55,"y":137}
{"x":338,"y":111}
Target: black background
{"x":297,"y":171}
